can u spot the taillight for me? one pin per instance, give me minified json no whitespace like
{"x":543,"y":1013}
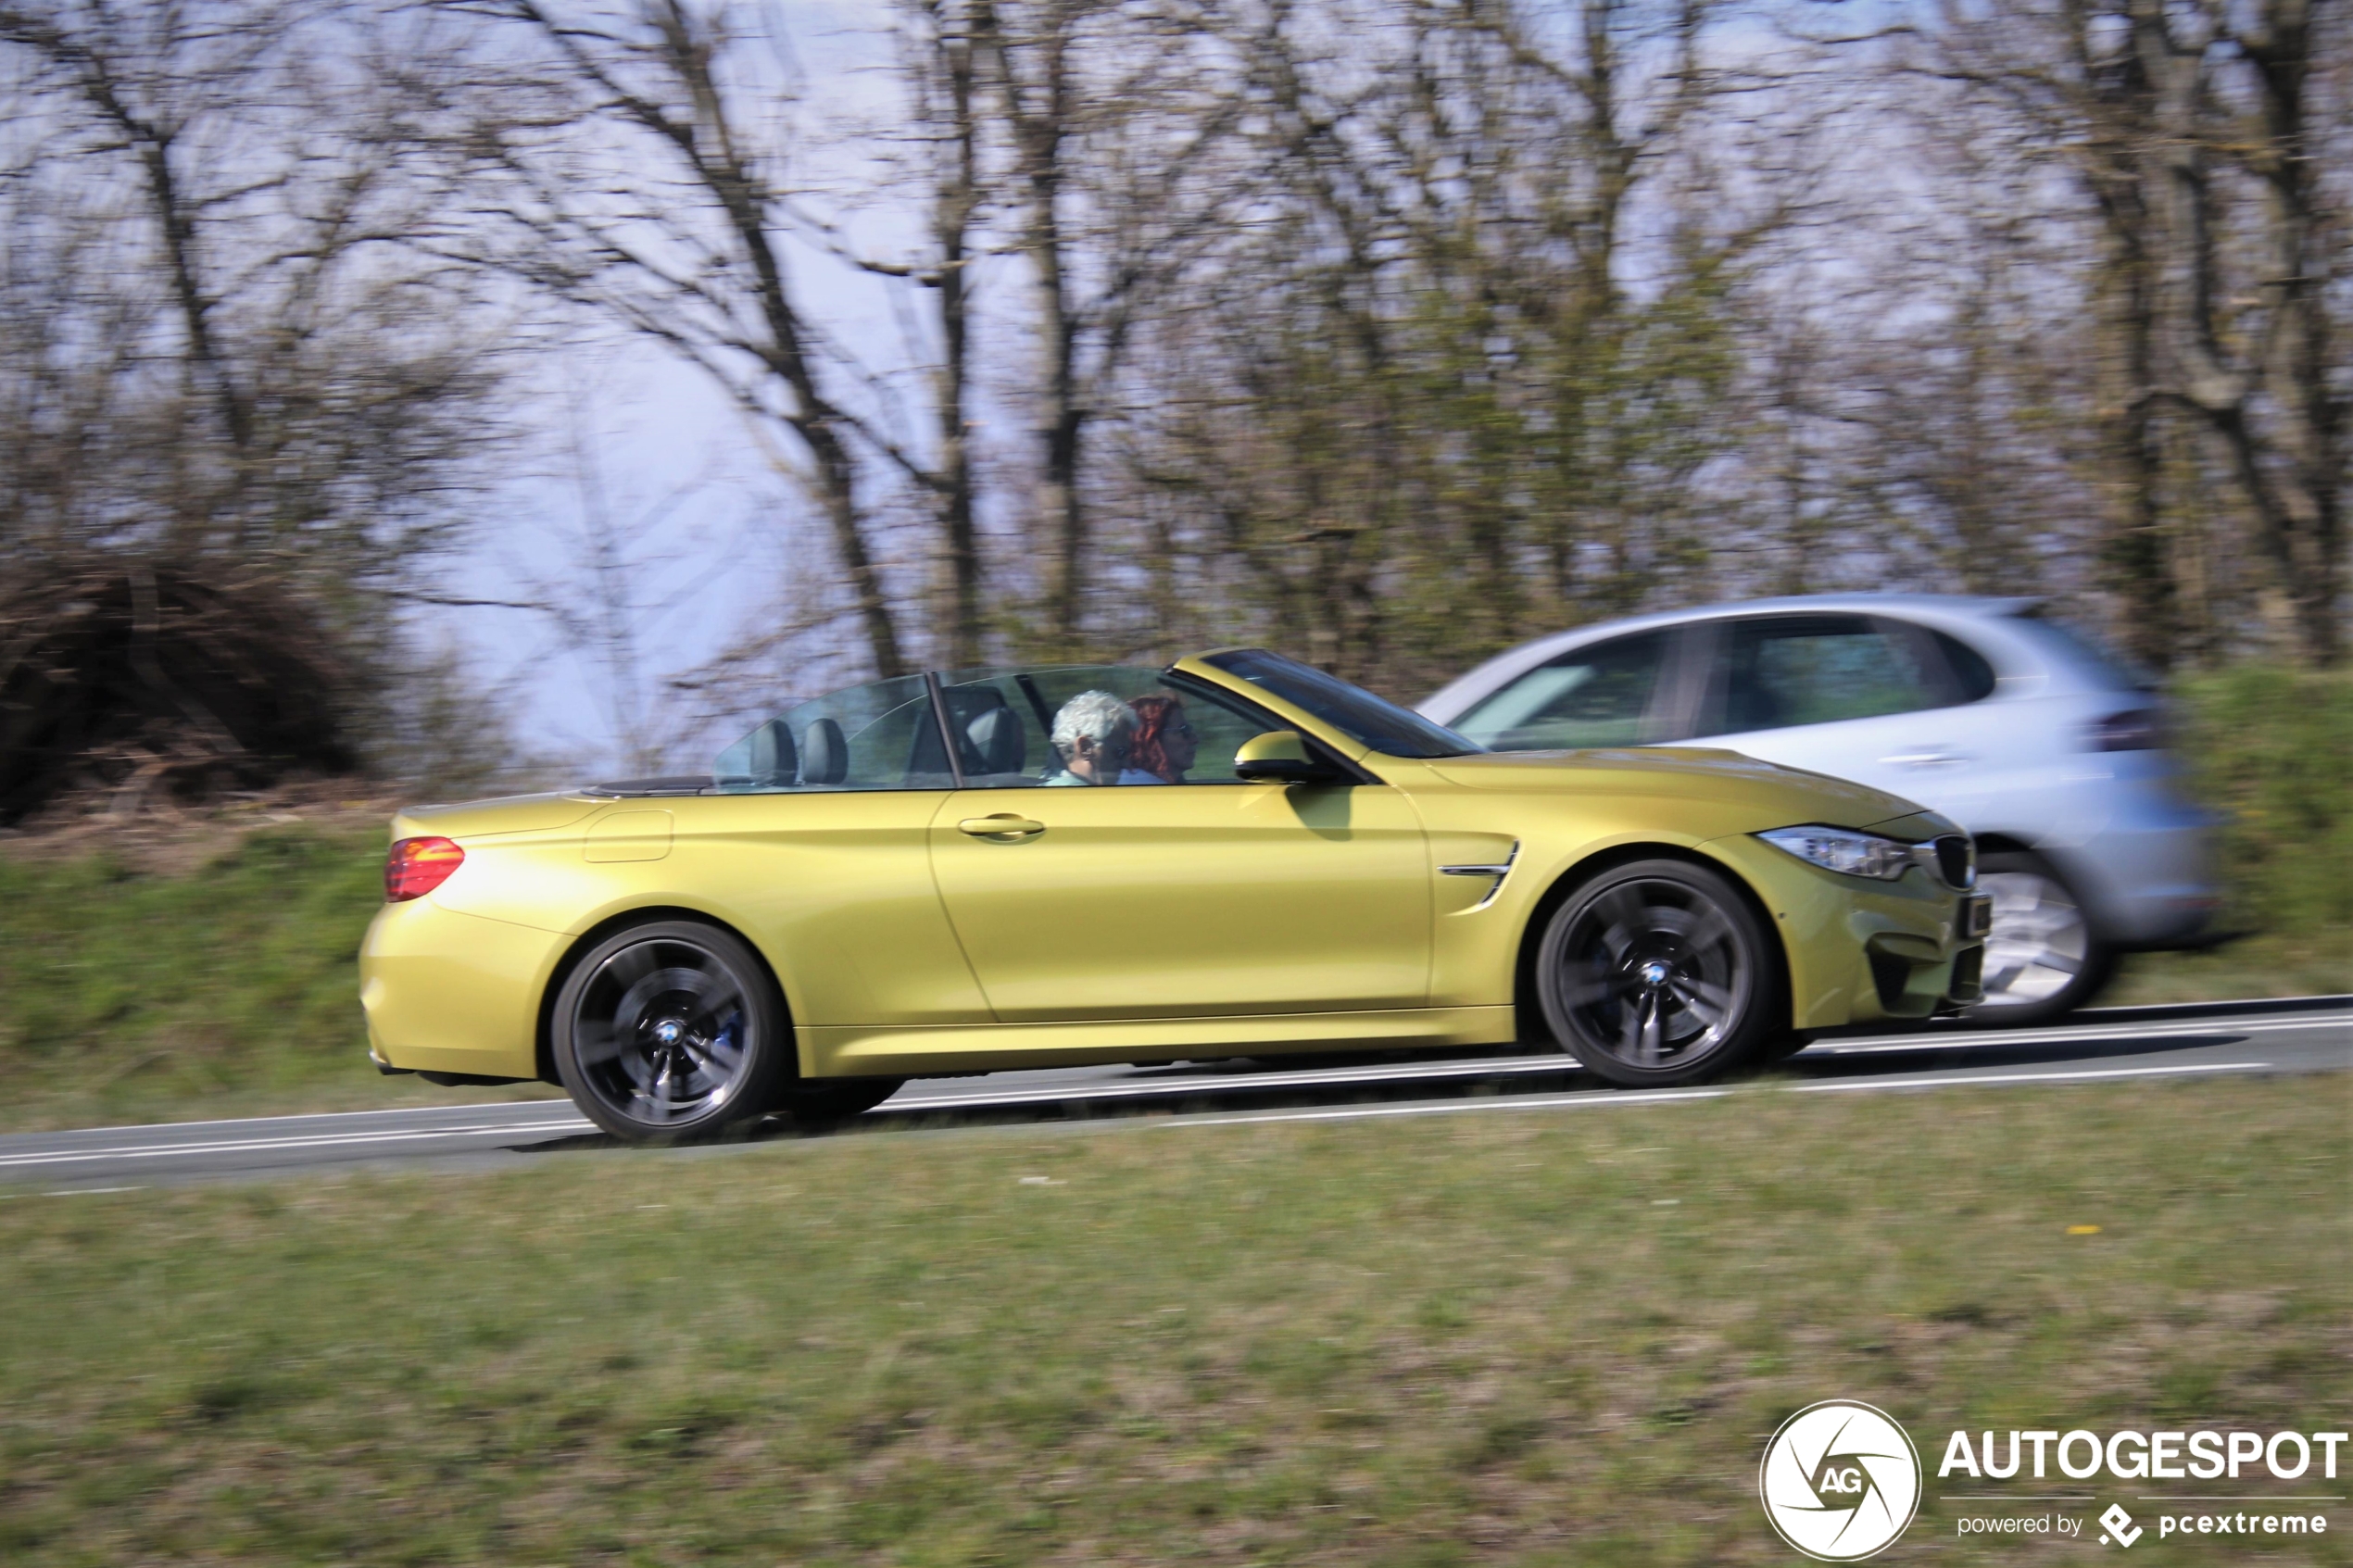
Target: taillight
{"x":2135,"y":729}
{"x":417,"y":866}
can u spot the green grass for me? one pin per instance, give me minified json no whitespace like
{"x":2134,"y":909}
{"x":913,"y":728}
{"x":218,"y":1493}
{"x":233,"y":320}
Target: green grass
{"x":232,"y":988}
{"x":129,"y":993}
{"x":1539,"y":1338}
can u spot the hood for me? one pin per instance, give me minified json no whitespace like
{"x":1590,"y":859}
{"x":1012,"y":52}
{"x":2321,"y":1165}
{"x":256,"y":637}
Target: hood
{"x":480,"y":819}
{"x":1687,"y":773}
{"x":1916,"y":828}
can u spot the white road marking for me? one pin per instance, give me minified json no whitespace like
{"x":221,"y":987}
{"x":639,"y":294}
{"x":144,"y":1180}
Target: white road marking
{"x":1649,"y":1097}
{"x":488,"y":1107}
{"x":2070,"y":1037}
{"x":248,"y":1146}
{"x":1966,"y":1078}
{"x":1132,"y":1089}
{"x":1518,"y":1102}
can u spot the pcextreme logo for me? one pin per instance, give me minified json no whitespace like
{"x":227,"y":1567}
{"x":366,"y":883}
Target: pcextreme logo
{"x":1840,"y":1481}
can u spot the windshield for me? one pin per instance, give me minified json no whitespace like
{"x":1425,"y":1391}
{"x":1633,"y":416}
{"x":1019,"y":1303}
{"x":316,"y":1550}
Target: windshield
{"x":1370,"y":720}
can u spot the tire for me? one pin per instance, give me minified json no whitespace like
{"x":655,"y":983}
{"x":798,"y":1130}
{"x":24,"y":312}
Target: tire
{"x":2043,"y":960}
{"x":829,"y":1103}
{"x":672,"y":1032}
{"x":1654,"y":973}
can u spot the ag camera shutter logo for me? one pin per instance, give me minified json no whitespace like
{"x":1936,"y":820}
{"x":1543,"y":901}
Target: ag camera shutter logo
{"x":1840,"y":1481}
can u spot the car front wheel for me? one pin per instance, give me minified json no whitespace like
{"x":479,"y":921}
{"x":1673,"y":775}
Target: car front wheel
{"x":671,"y":1032}
{"x":1655,"y":973}
{"x":2043,"y":960}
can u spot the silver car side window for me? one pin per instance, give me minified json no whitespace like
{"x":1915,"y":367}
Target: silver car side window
{"x":1781,"y":671}
{"x":1599,"y":694}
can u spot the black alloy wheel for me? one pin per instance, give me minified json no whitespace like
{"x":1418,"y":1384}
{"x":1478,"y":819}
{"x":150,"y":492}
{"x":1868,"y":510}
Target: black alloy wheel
{"x":1655,"y":973}
{"x":672,"y":1032}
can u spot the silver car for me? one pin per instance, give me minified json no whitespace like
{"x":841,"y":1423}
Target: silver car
{"x":2045,"y":748}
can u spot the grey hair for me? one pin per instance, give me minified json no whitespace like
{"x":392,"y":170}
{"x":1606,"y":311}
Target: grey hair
{"x":1097,"y":716}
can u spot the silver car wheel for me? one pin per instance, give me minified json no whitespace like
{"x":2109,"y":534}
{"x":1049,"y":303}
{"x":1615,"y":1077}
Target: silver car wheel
{"x":2039,"y":943}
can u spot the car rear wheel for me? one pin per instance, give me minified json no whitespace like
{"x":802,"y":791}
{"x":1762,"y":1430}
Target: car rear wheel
{"x":1654,"y":973}
{"x":2043,"y":960}
{"x":671,"y":1032}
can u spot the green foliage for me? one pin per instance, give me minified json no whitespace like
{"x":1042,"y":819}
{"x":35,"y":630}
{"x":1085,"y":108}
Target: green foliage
{"x":2272,"y":747}
{"x":2269,"y":747}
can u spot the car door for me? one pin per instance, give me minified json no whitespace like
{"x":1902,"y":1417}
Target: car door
{"x":1207,"y":898}
{"x":818,"y":834}
{"x":1855,"y":696}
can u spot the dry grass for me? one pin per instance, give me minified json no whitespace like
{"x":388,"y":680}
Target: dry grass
{"x":1528,"y":1338}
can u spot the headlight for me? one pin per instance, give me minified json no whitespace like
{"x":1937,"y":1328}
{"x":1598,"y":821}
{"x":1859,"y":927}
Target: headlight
{"x":1842,"y":850}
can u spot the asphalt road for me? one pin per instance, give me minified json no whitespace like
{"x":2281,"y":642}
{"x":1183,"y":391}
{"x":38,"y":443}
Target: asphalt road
{"x":2299,"y":1034}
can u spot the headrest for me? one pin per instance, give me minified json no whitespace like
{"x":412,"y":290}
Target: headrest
{"x":771,"y":762}
{"x":825,"y":755}
{"x":998,"y":744}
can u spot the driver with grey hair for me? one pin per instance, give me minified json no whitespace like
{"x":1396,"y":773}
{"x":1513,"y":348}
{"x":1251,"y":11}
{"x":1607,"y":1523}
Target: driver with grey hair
{"x":1093,"y":736}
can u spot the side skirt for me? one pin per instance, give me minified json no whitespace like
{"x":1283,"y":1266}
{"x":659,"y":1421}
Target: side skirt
{"x":903,"y":1051}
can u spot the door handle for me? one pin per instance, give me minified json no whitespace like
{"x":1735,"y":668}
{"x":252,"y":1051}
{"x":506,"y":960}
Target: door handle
{"x":1004,"y":827}
{"x":1927,"y":756}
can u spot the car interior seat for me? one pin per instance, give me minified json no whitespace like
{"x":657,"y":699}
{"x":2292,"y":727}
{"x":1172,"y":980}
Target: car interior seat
{"x":773,"y":762}
{"x":989,"y":739}
{"x":994,"y":742}
{"x":824,"y":754}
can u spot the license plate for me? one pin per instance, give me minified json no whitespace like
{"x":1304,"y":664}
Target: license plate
{"x":1977,"y":915}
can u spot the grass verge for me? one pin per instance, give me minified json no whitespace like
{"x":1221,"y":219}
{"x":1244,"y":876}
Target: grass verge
{"x":164,"y":987}
{"x":1541,"y":1339}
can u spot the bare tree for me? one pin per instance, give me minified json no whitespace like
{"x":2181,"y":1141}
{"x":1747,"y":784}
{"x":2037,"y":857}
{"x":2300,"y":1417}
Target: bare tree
{"x":241,"y":413}
{"x":2190,"y":128}
{"x":1115,"y":113}
{"x":210,"y":211}
{"x":640,"y":164}
{"x":1462,"y":369}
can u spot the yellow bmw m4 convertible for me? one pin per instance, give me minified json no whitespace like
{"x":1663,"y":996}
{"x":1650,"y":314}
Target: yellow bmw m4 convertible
{"x":1239,"y":855}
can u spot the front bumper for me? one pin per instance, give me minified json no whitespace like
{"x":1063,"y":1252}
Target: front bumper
{"x":1861,"y":950}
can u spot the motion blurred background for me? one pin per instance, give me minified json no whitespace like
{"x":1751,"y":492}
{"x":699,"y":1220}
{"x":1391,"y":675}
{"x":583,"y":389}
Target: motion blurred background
{"x":408,"y":399}
{"x":447,"y":391}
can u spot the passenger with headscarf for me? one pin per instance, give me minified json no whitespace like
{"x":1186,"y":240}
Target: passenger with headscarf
{"x":1164,"y":742}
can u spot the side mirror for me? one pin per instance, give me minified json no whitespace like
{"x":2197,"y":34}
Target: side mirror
{"x":1281,"y":757}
